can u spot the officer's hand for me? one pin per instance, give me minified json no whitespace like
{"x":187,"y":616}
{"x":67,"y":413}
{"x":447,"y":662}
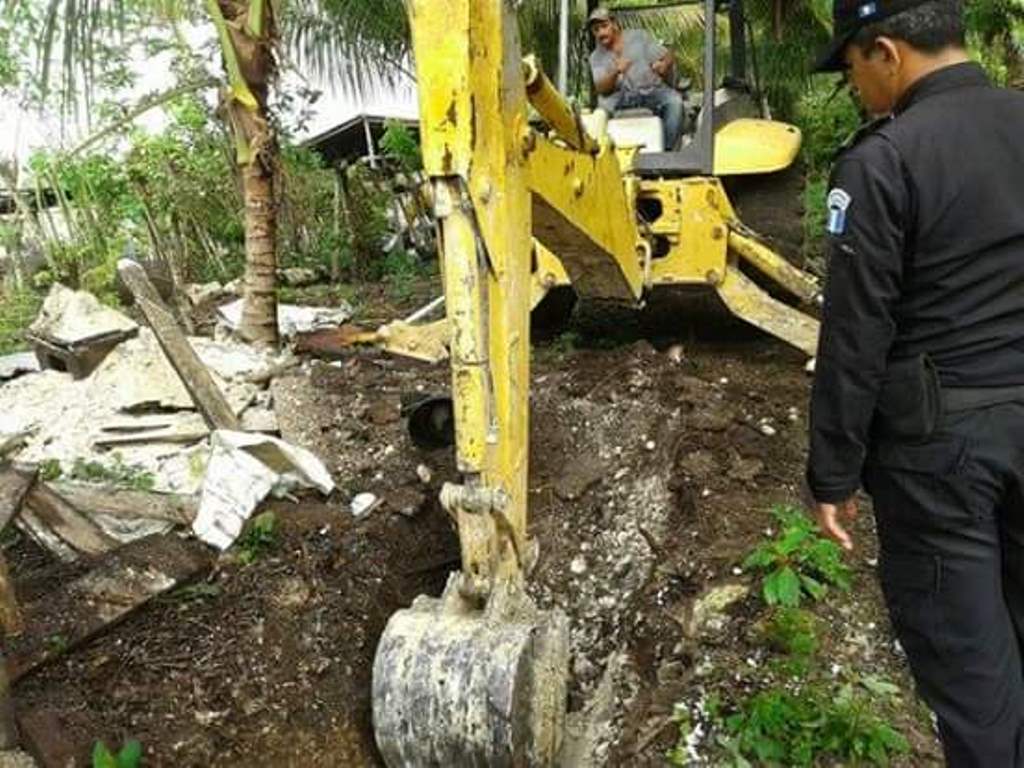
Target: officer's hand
{"x":828,"y":520}
{"x":622,"y":64}
{"x":660,"y":67}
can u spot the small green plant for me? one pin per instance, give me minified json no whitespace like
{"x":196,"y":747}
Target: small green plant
{"x":798,"y":561}
{"x":130,"y":755}
{"x":58,"y":644}
{"x":49,"y":470}
{"x":119,"y":474}
{"x":779,"y":727}
{"x":792,"y":631}
{"x":260,"y":535}
{"x":398,"y":142}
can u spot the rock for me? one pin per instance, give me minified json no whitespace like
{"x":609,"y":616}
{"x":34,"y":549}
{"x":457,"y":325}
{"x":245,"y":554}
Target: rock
{"x":676,"y":353}
{"x":578,"y":476}
{"x":363,"y":504}
{"x":74,"y":317}
{"x":745,"y":470}
{"x":578,"y":565}
{"x":202,"y":293}
{"x":293,"y":592}
{"x":383,"y":411}
{"x":767,"y":429}
{"x":424,"y":474}
{"x":699,"y":464}
{"x":236,"y":287}
{"x":406,"y":501}
{"x":671,"y":673}
{"x":708,"y":613}
{"x":298,"y":277}
{"x":650,"y":445}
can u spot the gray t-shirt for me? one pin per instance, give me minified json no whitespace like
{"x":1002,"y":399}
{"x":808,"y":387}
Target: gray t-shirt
{"x":642,"y":50}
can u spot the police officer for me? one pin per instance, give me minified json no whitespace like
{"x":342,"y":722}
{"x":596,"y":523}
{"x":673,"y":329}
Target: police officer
{"x":919,"y":389}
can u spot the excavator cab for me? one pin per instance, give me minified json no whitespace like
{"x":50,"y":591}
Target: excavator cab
{"x":728,"y":130}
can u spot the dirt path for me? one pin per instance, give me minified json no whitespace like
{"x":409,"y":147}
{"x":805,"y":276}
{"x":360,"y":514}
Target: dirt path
{"x":653,"y":470}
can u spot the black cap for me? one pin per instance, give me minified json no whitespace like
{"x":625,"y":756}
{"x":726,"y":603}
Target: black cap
{"x":848,"y":16}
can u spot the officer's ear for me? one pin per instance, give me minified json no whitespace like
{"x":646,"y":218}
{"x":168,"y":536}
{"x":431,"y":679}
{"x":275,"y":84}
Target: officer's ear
{"x":888,"y":53}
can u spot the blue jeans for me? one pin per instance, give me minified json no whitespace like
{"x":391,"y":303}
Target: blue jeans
{"x":665,"y":102}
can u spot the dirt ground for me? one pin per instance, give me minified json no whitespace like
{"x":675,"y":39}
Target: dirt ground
{"x":656,"y":453}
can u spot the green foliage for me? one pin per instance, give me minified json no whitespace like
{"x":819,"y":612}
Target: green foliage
{"x":18,"y":308}
{"x":260,"y":536}
{"x":399,"y":143}
{"x":792,"y":631}
{"x":798,"y":562}
{"x":49,"y":469}
{"x":779,"y":727}
{"x":118,"y":474}
{"x":401,"y":270}
{"x":130,"y":755}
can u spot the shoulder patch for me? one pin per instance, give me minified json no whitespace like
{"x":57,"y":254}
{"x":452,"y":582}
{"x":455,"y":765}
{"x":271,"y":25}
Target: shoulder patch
{"x":838,"y":201}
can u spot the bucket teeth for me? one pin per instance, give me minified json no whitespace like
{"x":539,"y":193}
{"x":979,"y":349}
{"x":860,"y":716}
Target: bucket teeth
{"x":749,"y":302}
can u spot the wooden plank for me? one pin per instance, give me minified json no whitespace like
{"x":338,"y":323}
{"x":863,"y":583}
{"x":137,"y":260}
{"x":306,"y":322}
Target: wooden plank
{"x":209,"y":400}
{"x":11,"y":620}
{"x":127,"y":504}
{"x":54,"y":522}
{"x":15,"y":482}
{"x":120,"y":584}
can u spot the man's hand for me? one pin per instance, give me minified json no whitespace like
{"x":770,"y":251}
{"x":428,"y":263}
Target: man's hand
{"x":829,"y":520}
{"x":622,"y":64}
{"x":661,"y":66}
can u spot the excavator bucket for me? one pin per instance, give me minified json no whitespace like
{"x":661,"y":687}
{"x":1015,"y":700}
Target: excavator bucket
{"x":483,"y":688}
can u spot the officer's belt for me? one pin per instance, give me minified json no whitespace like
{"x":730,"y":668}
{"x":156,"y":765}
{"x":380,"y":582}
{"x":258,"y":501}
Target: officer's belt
{"x":967,"y":399}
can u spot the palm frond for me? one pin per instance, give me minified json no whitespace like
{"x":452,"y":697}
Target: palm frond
{"x":358,"y":46}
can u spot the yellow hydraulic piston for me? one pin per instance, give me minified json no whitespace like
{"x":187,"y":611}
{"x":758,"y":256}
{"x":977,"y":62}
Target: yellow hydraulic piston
{"x":478,"y":676}
{"x":563,"y":119}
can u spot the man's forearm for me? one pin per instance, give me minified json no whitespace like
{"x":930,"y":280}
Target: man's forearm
{"x":606,"y":84}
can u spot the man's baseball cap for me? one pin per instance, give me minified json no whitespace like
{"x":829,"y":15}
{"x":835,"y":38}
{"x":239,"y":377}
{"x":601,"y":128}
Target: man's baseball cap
{"x":849,"y":16}
{"x":600,"y":14}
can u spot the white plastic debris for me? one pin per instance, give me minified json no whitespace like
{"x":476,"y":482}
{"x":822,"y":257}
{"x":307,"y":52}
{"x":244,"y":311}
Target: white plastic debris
{"x":243,"y":469}
{"x":291,"y":319}
{"x":363,"y":504}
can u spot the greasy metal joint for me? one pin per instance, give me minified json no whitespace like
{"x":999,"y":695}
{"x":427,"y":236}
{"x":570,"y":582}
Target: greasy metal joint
{"x":473,"y":499}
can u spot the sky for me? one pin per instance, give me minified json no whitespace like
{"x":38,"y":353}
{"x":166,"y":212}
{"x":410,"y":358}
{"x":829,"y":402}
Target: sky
{"x":22,"y":131}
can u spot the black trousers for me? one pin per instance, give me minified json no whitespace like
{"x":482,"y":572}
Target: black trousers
{"x":950,"y":514}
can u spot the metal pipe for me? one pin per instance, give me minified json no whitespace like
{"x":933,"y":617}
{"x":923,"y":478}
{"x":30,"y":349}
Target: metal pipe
{"x":706,"y":137}
{"x":563,"y":47}
{"x":551,"y":105}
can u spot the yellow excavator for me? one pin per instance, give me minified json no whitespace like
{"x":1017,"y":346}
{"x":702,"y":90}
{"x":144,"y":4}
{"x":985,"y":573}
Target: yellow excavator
{"x":478,"y":677}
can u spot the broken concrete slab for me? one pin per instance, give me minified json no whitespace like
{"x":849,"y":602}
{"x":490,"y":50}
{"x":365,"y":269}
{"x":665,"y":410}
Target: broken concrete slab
{"x":72,"y":317}
{"x":298,"y":277}
{"x":126,"y":504}
{"x":18,"y":364}
{"x":203,"y":293}
{"x":121,"y":583}
{"x":55,"y":524}
{"x":74,"y":332}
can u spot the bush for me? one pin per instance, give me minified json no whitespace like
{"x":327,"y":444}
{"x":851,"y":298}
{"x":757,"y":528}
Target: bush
{"x":18,"y":308}
{"x":778,"y":727}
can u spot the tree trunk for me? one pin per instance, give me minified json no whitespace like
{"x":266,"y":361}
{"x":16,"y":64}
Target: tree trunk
{"x":259,"y":312}
{"x":248,"y":45}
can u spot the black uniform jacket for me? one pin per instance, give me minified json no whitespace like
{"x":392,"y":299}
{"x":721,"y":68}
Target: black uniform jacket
{"x":926,"y":255}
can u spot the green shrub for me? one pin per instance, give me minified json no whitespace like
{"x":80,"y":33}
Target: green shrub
{"x":260,"y":536}
{"x":798,"y":561}
{"x":792,"y":631}
{"x":779,"y":727}
{"x":130,"y":755}
{"x":18,"y":308}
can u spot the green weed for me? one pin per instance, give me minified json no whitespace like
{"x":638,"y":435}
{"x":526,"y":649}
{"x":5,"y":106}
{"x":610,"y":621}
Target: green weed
{"x":798,"y":562}
{"x":49,"y":470}
{"x":131,"y":476}
{"x":130,"y":755}
{"x":792,"y":631}
{"x":778,"y":727}
{"x":259,"y":537}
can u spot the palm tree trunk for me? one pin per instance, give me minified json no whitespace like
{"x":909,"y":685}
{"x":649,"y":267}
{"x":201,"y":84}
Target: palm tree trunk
{"x":248,"y":37}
